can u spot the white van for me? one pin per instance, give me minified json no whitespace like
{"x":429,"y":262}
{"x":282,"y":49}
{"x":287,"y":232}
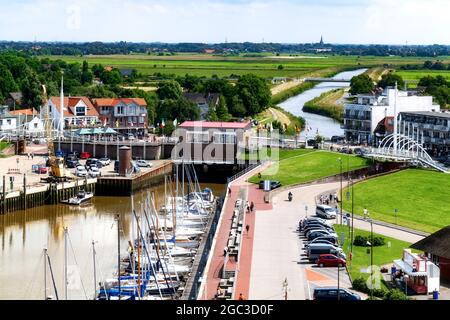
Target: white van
{"x":316,"y":249}
{"x":326,"y":212}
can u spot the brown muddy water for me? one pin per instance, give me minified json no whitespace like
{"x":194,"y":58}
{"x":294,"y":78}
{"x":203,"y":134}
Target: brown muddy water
{"x":24,"y":235}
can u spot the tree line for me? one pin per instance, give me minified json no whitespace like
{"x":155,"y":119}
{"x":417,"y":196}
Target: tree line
{"x":102,"y":48}
{"x":438,"y":86}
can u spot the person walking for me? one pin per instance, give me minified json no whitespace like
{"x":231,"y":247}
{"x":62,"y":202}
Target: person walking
{"x":247,"y":227}
{"x":365,"y":213}
{"x":252,"y":206}
{"x":225,"y":251}
{"x":32,"y":155}
{"x":241,"y":297}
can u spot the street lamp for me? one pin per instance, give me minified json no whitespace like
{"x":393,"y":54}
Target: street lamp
{"x":340,"y":162}
{"x":306,"y":210}
{"x":371,"y":259}
{"x":395,"y":212}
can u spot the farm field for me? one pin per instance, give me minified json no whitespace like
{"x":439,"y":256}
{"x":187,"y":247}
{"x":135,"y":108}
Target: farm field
{"x":225,"y":66}
{"x":420,"y":196}
{"x":309,"y":166}
{"x":415,"y":75}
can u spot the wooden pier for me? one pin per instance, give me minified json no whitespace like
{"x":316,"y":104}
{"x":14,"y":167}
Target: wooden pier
{"x":35,"y":196}
{"x":126,"y":186}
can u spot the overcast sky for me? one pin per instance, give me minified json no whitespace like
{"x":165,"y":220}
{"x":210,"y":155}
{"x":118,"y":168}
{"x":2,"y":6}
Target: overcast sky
{"x":212,"y":21}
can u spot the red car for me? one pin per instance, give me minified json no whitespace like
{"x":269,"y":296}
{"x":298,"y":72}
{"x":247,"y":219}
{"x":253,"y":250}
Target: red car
{"x":330,"y":260}
{"x":85,"y":155}
{"x":42,"y":170}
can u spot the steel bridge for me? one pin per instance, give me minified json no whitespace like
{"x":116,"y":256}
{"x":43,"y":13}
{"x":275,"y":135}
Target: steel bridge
{"x":406,"y":150}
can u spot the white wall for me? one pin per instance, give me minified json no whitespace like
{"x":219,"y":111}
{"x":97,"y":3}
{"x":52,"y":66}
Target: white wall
{"x":12,"y":125}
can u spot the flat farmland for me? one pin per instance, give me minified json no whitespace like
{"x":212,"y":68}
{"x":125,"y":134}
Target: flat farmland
{"x":415,"y":75}
{"x":225,"y":66}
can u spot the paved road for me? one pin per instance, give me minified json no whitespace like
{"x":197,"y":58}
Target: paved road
{"x":278,"y":250}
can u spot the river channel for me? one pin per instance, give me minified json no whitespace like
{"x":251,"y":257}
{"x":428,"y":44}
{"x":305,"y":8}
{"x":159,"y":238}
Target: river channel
{"x":324,"y":126}
{"x":24,"y":234}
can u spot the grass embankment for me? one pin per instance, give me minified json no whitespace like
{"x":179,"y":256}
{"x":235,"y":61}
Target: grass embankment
{"x":309,"y":166}
{"x":382,"y":255}
{"x":286,"y":94}
{"x":421,"y":197}
{"x":276,"y":154}
{"x":326,"y":105}
{"x":4,"y":145}
{"x":277,"y":114}
{"x":376,"y":73}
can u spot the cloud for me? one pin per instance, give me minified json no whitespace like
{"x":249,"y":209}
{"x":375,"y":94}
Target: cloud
{"x":289,"y":21}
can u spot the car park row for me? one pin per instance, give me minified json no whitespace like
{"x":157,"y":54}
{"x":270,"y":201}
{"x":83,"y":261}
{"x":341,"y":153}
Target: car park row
{"x":322,"y":248}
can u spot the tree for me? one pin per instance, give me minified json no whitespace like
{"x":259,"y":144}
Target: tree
{"x":428,"y":64}
{"x":112,"y":77}
{"x":212,"y":115}
{"x":97,"y":69}
{"x":389,"y":80}
{"x":361,"y":84}
{"x":280,"y":67}
{"x":222,"y":110}
{"x":31,"y":92}
{"x":169,"y":90}
{"x":7,"y":83}
{"x":86,"y":75}
{"x":180,"y":109}
{"x":254,"y":93}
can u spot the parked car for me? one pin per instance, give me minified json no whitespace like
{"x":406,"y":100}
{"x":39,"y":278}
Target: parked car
{"x":330,"y":260}
{"x":42,"y":169}
{"x":326,"y":212}
{"x":94,"y":172}
{"x":81,"y":171}
{"x":273,"y":184}
{"x":60,"y":154}
{"x":312,"y":227}
{"x":73,"y":155}
{"x":93,"y":162}
{"x":72,"y":163}
{"x":85,"y":155}
{"x":143,"y":163}
{"x":320,"y":233}
{"x":331,"y":293}
{"x":315,"y":250}
{"x":116,"y":166}
{"x":317,"y":241}
{"x":315,"y":219}
{"x":130,"y":136}
{"x":329,"y":239}
{"x":104,"y":161}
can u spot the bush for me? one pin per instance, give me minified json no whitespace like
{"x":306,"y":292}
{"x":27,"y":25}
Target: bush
{"x":395,"y":294}
{"x":362,"y":241}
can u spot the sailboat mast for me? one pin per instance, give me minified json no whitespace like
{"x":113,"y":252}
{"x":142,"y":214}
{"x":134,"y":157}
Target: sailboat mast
{"x":95,"y":271}
{"x":65,"y":263}
{"x":118,"y":251}
{"x":45,"y":273}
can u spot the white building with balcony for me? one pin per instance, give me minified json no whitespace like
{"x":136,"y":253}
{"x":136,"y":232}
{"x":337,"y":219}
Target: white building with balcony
{"x":362,"y":118}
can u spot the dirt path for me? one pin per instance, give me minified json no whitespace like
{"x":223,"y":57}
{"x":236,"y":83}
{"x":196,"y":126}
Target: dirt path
{"x":285,"y":86}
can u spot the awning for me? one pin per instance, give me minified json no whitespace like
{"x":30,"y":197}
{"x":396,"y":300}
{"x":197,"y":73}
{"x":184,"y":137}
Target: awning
{"x":408,"y":269}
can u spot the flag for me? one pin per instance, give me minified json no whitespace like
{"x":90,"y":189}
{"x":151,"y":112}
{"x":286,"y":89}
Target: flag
{"x":104,"y":122}
{"x":117,"y":123}
{"x":163,"y":124}
{"x":175,"y":123}
{"x":92,"y":122}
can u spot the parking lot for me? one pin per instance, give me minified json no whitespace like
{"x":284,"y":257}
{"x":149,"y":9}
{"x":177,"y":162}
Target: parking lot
{"x":278,"y":250}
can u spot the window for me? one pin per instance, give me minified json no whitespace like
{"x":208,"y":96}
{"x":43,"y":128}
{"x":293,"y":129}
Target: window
{"x":120,"y":110}
{"x":35,"y":125}
{"x":8,"y":121}
{"x":225,"y":138}
{"x":197,"y":137}
{"x":1,"y":122}
{"x":80,"y":111}
{"x":141,"y":119}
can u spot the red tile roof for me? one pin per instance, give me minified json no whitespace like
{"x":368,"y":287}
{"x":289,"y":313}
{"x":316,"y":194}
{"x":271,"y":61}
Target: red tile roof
{"x":24,"y":112}
{"x":70,"y":102}
{"x":216,"y":125}
{"x":111,"y":102}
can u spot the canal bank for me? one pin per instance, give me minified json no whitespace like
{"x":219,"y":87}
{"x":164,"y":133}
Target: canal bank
{"x":318,"y":124}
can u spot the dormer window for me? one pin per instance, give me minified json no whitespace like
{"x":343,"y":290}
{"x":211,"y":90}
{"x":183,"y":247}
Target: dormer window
{"x":80,"y":111}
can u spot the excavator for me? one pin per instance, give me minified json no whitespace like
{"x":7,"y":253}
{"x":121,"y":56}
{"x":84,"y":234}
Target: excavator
{"x":57,"y":171}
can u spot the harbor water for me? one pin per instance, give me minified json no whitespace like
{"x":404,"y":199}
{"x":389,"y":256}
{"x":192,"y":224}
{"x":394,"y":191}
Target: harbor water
{"x":24,"y":234}
{"x":321,"y":125}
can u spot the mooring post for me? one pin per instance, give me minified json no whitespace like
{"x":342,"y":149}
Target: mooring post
{"x":24,"y":191}
{"x":4,"y":194}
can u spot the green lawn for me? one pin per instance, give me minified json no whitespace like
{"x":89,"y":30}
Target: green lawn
{"x":310,"y":166}
{"x":416,"y":75}
{"x":4,"y":145}
{"x":421,"y":197}
{"x":276,"y":154}
{"x":382,"y":255}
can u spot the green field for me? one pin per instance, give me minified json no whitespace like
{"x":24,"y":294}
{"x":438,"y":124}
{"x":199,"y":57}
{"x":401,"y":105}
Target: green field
{"x":382,"y":255}
{"x":222,"y":66}
{"x":309,"y":166}
{"x":416,"y":75}
{"x":421,"y":197}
